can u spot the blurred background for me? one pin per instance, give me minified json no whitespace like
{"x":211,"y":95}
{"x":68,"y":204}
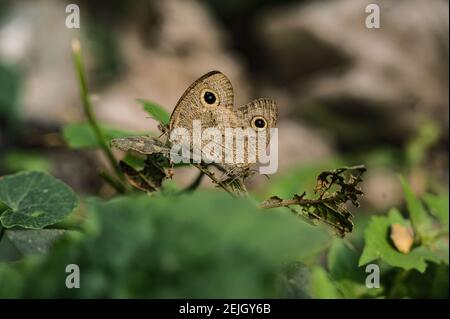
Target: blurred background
{"x":346,"y":94}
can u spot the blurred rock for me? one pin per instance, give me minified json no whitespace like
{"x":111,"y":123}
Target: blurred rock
{"x":165,"y":47}
{"x":299,"y":144}
{"x":188,"y":44}
{"x":368,"y":84}
{"x":382,"y":190}
{"x":34,"y":37}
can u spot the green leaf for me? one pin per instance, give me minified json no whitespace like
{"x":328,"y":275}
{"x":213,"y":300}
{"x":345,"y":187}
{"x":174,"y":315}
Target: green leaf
{"x":431,"y":284}
{"x":438,"y":206}
{"x":154,"y":247}
{"x":11,"y":281}
{"x":377,"y":245}
{"x":32,"y":241}
{"x":321,"y":285}
{"x":439,"y":247}
{"x":81,"y":135}
{"x":26,"y":161}
{"x":296,"y":282}
{"x":10,"y":92}
{"x":347,"y":275}
{"x":419,"y":217}
{"x":156,"y":111}
{"x":8,"y":252}
{"x":417,"y":149}
{"x":35,"y":200}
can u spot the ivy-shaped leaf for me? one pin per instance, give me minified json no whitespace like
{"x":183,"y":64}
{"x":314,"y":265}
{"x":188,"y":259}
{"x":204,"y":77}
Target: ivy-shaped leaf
{"x":220,"y":247}
{"x":35,"y":200}
{"x":33,"y":241}
{"x":378,"y":246}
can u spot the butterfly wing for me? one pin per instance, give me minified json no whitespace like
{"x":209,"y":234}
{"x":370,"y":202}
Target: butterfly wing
{"x":259,"y":111}
{"x":209,"y":99}
{"x":259,"y":115}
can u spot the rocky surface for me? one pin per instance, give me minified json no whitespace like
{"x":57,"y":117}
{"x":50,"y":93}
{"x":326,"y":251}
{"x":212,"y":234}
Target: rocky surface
{"x":388,"y":78}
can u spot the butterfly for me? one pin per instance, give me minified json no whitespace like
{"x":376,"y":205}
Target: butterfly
{"x":209,"y":101}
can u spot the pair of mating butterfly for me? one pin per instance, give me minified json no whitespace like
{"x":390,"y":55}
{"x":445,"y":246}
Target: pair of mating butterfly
{"x":210,"y":101}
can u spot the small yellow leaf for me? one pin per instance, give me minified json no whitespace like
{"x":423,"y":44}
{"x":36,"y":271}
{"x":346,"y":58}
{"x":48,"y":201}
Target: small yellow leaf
{"x":402,"y":237}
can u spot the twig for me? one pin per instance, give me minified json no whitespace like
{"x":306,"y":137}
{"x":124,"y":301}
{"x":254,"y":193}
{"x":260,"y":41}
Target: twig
{"x":398,"y":279}
{"x":274,"y":202}
{"x":329,"y":207}
{"x":87,"y":107}
{"x":214,"y":179}
{"x":195,"y":184}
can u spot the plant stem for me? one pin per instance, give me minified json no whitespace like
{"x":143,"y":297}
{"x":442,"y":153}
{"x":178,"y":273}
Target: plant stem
{"x":214,"y":179}
{"x":400,"y":276}
{"x":87,"y":107}
{"x":289,"y":202}
{"x":114,"y":183}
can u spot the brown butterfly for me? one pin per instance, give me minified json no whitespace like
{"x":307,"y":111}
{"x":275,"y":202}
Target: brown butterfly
{"x":210,"y":102}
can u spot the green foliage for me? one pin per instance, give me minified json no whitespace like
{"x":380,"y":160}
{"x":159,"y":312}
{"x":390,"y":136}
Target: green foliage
{"x":438,"y":206}
{"x":33,"y":241}
{"x":416,"y":149}
{"x":433,"y":283}
{"x":11,"y":281}
{"x":34,"y":200}
{"x":321,"y":284}
{"x":156,"y":111}
{"x":378,"y":246}
{"x":419,"y":218}
{"x":152,"y":246}
{"x":15,"y":161}
{"x":105,"y":47}
{"x":81,"y":135}
{"x":348,"y":277}
{"x":137,"y":246}
{"x":431,"y":240}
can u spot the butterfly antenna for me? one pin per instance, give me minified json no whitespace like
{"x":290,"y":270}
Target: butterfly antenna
{"x":164,"y":130}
